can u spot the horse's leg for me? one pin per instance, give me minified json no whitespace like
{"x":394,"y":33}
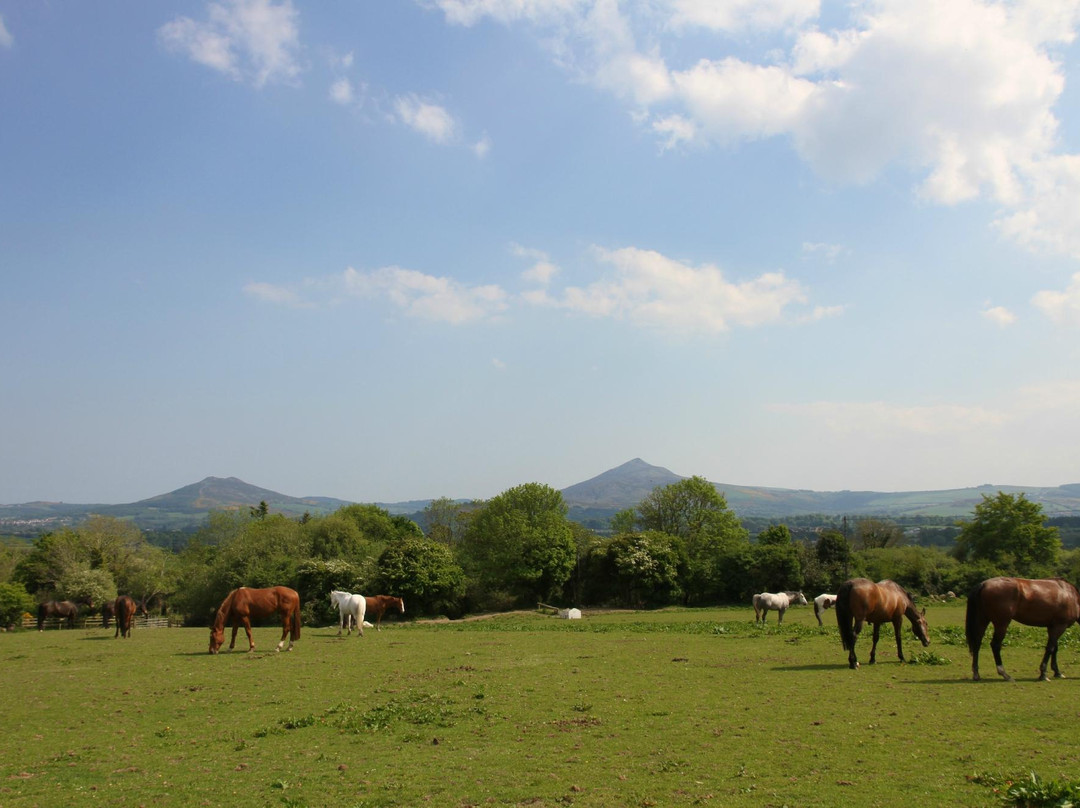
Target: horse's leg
{"x":284,"y":630}
{"x":975,"y":646}
{"x":897,"y":627}
{"x":873,"y":647}
{"x":780,"y":615}
{"x":247,"y":630}
{"x":235,"y":628}
{"x":359,"y":623}
{"x":995,"y":646}
{"x":1053,"y":633}
{"x":856,"y":630}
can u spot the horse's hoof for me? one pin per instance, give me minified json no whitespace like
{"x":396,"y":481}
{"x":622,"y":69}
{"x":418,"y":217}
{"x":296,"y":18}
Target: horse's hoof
{"x":1059,"y":675}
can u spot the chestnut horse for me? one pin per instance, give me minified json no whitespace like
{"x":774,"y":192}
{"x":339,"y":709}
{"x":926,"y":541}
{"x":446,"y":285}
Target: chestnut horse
{"x":124,"y":608}
{"x":1053,"y":603}
{"x":860,"y":601}
{"x":243,"y":604}
{"x":380,"y":603}
{"x":64,"y":609}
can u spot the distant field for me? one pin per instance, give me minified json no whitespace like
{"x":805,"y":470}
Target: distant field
{"x":675,"y":707}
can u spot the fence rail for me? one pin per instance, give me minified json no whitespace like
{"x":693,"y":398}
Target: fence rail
{"x":94,"y":621}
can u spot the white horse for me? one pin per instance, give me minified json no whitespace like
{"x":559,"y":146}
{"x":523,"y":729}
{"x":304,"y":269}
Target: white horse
{"x":350,"y":608}
{"x":778,"y":602}
{"x":821,"y":603}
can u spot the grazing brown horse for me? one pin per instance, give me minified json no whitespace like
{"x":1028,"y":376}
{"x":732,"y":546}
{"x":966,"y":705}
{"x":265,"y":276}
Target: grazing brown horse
{"x":108,"y":612}
{"x":64,"y":609}
{"x":1053,"y":603}
{"x":243,"y":604}
{"x":860,"y":601}
{"x":378,"y":605}
{"x":125,"y":607}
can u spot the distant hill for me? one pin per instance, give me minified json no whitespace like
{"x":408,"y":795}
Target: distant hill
{"x":592,"y":502}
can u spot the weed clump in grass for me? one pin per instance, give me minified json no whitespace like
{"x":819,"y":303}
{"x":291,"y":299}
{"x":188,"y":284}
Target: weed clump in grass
{"x":1032,"y":791}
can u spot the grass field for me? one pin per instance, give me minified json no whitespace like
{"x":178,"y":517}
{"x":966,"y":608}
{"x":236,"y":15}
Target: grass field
{"x":674,"y":707}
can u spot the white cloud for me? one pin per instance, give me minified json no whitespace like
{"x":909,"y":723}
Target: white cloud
{"x":279,"y":295}
{"x":542,"y":273}
{"x":498,"y":364}
{"x":426,"y":296}
{"x":6,"y":39}
{"x":652,"y":290}
{"x":482,"y":147}
{"x":999,"y":315}
{"x":830,"y":252}
{"x":341,"y":92}
{"x":247,"y":40}
{"x":1062,"y":308}
{"x":430,"y":120}
{"x":736,"y":15}
{"x":960,"y":92}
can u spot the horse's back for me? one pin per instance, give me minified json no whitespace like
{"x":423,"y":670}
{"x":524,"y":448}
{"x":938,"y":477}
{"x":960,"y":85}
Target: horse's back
{"x":1033,"y":602}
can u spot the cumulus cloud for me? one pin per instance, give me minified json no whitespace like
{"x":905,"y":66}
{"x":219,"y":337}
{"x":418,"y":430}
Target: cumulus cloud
{"x":999,"y":315}
{"x":829,"y":252}
{"x":280,"y":295}
{"x":1062,"y":308}
{"x":341,"y":92}
{"x":960,"y":92}
{"x":430,"y":120}
{"x":6,"y":39}
{"x":652,"y":290}
{"x":247,"y":40}
{"x":426,"y":296}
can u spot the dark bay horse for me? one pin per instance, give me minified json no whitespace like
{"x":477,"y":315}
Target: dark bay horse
{"x":64,"y":609}
{"x":860,"y":601}
{"x":125,"y":607}
{"x":1052,"y":603}
{"x":242,"y":605}
{"x":378,"y":605}
{"x":108,"y":612}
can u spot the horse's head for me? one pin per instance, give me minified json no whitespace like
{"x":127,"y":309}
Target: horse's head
{"x":799,"y":599}
{"x":217,"y":637}
{"x":918,"y":625}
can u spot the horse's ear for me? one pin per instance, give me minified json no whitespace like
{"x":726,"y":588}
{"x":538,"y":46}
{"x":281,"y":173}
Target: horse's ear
{"x":923,"y":612}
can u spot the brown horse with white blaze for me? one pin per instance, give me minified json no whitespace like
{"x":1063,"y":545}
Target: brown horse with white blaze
{"x":1050,"y":603}
{"x":378,"y":604}
{"x":860,"y":601}
{"x":242,"y":605}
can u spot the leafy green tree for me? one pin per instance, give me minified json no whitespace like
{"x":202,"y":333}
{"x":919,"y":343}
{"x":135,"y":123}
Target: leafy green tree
{"x":1009,"y":532}
{"x":519,"y":547}
{"x":267,"y":553}
{"x":831,"y":562}
{"x":425,"y":574}
{"x":335,"y":536}
{"x":90,"y":586}
{"x":694,"y":511}
{"x":446,"y":521}
{"x":15,"y":601}
{"x":774,"y":535}
{"x":636,"y":570}
{"x":874,"y":533}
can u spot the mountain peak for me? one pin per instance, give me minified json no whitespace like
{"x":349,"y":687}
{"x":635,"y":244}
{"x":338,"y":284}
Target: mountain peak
{"x":631,"y":482}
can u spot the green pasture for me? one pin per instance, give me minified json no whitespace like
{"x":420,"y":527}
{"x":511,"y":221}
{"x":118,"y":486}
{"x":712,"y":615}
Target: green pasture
{"x":673,"y":707}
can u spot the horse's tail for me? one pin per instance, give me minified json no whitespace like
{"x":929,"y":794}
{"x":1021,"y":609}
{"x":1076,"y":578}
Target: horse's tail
{"x":295,"y":634}
{"x":972,"y":616}
{"x":757,"y":610}
{"x":844,"y":618}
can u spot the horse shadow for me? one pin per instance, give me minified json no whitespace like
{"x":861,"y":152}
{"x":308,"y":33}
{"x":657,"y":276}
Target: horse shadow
{"x":819,"y":667}
{"x":96,"y":639}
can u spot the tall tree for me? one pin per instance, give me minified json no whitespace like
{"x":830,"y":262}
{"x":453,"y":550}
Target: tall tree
{"x":693,"y":510}
{"x":1010,"y":532}
{"x":519,"y":546}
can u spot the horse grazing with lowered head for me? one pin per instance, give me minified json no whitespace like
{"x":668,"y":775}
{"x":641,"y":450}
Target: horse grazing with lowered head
{"x":125,"y":608}
{"x":1050,"y":603}
{"x":860,"y":601}
{"x":821,"y":603}
{"x":108,"y":612}
{"x":243,"y":605}
{"x":66,"y":610}
{"x":778,"y":602}
{"x":351,"y":609}
{"x":378,"y":605}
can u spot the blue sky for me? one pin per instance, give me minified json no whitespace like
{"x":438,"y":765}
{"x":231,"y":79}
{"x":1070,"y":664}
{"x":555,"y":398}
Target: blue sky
{"x":395,"y":250}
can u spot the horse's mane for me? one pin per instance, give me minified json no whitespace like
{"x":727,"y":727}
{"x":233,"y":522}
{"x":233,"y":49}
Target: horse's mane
{"x":223,"y":612}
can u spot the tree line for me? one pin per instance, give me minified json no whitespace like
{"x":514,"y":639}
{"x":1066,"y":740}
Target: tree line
{"x":681,"y":544}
